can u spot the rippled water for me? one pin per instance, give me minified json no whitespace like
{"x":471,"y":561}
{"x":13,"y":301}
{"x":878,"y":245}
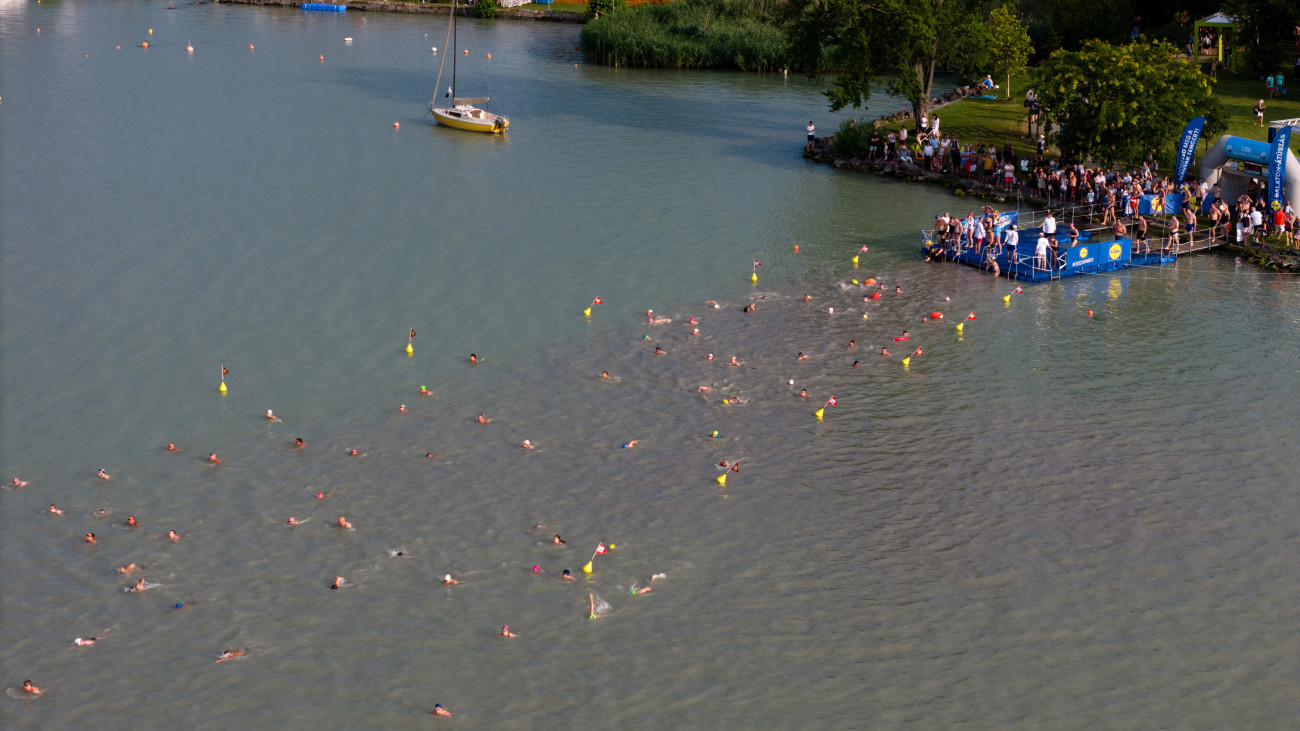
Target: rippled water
{"x":1049,"y":519}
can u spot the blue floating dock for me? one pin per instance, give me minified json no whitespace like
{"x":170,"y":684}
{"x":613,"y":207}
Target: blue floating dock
{"x":1086,"y":256}
{"x":325,"y":7}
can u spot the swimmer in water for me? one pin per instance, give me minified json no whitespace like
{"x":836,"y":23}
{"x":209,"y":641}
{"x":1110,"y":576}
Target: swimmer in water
{"x":853,"y":343}
{"x":473,"y":359}
{"x":88,"y":641}
{"x":643,"y":590}
{"x":566,"y":576}
{"x":733,"y":361}
{"x":129,"y":568}
{"x":292,"y":522}
{"x":856,"y":364}
{"x":526,"y":445}
{"x":101,"y":474}
{"x":748,"y":308}
{"x":591,"y":605}
{"x":604,"y":374}
{"x":483,"y":419}
{"x":704,"y":389}
{"x":505,"y":631}
{"x":342,"y":522}
{"x":424,"y":391}
{"x":448,"y":581}
{"x":90,"y":538}
{"x":711,"y":302}
{"x":807,"y":298}
{"x":172,"y":536}
{"x":430,"y":455}
{"x":353,"y":453}
{"x":898,"y":290}
{"x":396,"y":554}
{"x":695,"y":331}
{"x":101,"y":513}
{"x":557,"y":540}
{"x":801,"y":356}
{"x":171,"y":447}
{"x":401,"y":408}
{"x":230,"y":655}
{"x":709,"y":357}
{"x":298,"y":443}
{"x":659,"y":350}
{"x":18,"y":483}
{"x":538,"y":569}
{"x":131,"y":521}
{"x":213,"y":458}
{"x":139,"y":585}
{"x":631,"y":444}
{"x":30,"y":689}
{"x":339,"y":581}
{"x":724,"y":463}
{"x":54,"y":510}
{"x":322,"y":495}
{"x":438,"y":710}
{"x":884,"y":352}
{"x":270,"y":416}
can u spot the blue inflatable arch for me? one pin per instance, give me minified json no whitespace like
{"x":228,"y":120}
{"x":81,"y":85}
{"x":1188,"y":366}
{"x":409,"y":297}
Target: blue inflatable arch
{"x":1232,"y":180}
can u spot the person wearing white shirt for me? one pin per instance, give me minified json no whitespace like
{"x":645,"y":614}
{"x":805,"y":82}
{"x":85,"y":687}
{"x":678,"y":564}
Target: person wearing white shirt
{"x":1049,"y":225}
{"x":1040,"y":252}
{"x":1010,"y":239}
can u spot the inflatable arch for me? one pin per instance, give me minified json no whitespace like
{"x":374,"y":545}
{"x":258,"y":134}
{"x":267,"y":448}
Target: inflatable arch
{"x":1232,"y":180}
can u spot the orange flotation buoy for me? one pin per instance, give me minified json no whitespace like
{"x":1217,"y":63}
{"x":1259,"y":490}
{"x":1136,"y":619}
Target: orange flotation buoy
{"x":936,"y":315}
{"x":869,"y":282}
{"x":875,"y":295}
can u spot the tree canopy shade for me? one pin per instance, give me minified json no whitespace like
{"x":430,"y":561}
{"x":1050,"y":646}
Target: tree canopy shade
{"x":1121,"y":103}
{"x":1010,"y":46}
{"x":1265,"y":31}
{"x":899,"y":42}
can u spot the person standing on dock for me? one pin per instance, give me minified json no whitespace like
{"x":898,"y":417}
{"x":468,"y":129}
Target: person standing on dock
{"x":1010,"y":239}
{"x":1040,"y":251}
{"x":812,"y":135}
{"x":1142,"y":234}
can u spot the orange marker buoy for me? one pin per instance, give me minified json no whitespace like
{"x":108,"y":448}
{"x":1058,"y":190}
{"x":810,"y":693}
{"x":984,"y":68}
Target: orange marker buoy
{"x":322,"y":57}
{"x":119,"y":48}
{"x":396,"y":125}
{"x":489,"y":55}
{"x":875,"y":296}
{"x":796,"y":248}
{"x":250,"y":46}
{"x":1089,"y":313}
{"x":466,"y":51}
{"x":145,"y":44}
{"x":869,"y":282}
{"x":936,"y":315}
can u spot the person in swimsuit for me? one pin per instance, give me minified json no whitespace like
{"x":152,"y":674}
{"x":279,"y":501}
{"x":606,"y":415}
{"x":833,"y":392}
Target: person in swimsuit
{"x":424,"y":391}
{"x":129,"y":568}
{"x":90,"y":538}
{"x":172,"y":536}
{"x":557,"y":540}
{"x":131,"y":521}
{"x":171,"y":447}
{"x":473,"y":359}
{"x":342,"y":522}
{"x":30,"y":689}
{"x":483,"y":419}
{"x":270,"y":416}
{"x":213,"y":458}
{"x":339,"y":581}
{"x":567,"y":576}
{"x":292,"y":522}
{"x":438,"y":710}
{"x":18,"y":483}
{"x":230,"y":655}
{"x":101,"y":474}
{"x":505,"y":631}
{"x":448,"y":581}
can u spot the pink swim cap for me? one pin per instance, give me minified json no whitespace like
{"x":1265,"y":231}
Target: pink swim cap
{"x":536,"y":567}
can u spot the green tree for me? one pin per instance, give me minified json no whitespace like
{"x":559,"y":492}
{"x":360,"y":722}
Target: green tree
{"x":1010,"y":47}
{"x":899,"y":42}
{"x":1265,"y":30}
{"x":597,"y":8}
{"x":1122,"y":103}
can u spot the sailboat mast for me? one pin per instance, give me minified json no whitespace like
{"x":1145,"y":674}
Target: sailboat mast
{"x":437,"y":85}
{"x":455,"y":47}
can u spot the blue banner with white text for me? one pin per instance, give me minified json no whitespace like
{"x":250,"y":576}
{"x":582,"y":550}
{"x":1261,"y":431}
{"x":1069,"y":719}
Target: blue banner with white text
{"x":1277,"y":167}
{"x":1187,"y":148}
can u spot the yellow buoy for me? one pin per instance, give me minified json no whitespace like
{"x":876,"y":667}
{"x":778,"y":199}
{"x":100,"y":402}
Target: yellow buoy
{"x":854,"y":281}
{"x":1006,"y":298}
{"x":855,"y":260}
{"x":722,"y":479}
{"x":960,"y":325}
{"x":587,"y":312}
{"x":907,"y":360}
{"x":819,"y":413}
{"x":587,"y":569}
{"x":410,"y":349}
{"x":151,"y":31}
{"x":753,"y":277}
{"x":222,"y":387}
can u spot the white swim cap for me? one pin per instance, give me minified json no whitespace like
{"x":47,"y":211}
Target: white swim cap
{"x":447,"y":577}
{"x":791,"y":381}
{"x":77,"y":641}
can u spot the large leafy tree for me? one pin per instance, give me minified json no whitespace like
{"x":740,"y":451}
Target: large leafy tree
{"x":897,"y":42}
{"x":1122,"y":103}
{"x":1010,"y":46}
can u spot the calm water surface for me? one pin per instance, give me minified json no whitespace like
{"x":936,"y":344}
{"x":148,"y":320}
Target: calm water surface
{"x":1049,"y":520}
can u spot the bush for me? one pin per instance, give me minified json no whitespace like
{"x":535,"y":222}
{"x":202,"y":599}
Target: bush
{"x":598,"y":8}
{"x":485,"y":9}
{"x":853,"y":139}
{"x":741,"y":34}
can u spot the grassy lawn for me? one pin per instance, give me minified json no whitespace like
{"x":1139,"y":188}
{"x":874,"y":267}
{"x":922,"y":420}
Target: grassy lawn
{"x":985,"y":120}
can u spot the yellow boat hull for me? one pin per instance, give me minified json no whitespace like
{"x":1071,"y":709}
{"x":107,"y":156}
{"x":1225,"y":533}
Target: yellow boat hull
{"x":470,"y":119}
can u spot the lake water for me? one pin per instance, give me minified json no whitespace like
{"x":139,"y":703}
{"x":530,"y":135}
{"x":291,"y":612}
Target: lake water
{"x":1047,"y":520}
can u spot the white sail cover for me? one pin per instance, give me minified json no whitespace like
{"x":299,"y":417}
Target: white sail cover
{"x":462,"y":101}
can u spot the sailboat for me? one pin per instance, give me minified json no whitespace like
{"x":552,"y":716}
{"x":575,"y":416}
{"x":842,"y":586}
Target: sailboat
{"x":462,"y":114}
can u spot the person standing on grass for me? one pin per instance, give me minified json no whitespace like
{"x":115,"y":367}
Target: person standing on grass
{"x":1259,"y":113}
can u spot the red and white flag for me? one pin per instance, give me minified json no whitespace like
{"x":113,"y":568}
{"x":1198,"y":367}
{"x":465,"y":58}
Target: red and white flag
{"x":224,"y":370}
{"x":756,"y":264}
{"x":832,"y":402}
{"x":918,"y":352}
{"x":600,"y":548}
{"x":412,"y":332}
{"x":865,"y":250}
{"x":597,"y":301}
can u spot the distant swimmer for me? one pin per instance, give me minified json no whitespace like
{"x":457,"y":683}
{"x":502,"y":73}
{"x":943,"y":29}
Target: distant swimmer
{"x":483,"y":419}
{"x":18,"y":483}
{"x":101,"y":474}
{"x":430,"y":455}
{"x":171,"y":447}
{"x":101,"y":513}
{"x":604,"y":374}
{"x":30,"y":689}
{"x":733,"y":361}
{"x":801,"y":356}
{"x":709,"y":356}
{"x":292,"y":522}
{"x":631,"y":444}
{"x":898,"y":290}
{"x":748,"y":308}
{"x":397,"y":553}
{"x":659,"y":350}
{"x":298,"y":443}
{"x":526,"y":445}
{"x":473,"y":359}
{"x":642,"y":590}
{"x":230,"y":655}
{"x":139,"y":585}
{"x":807,"y":298}
{"x":505,"y":631}
{"x":448,"y":581}
{"x":704,"y":389}
{"x":322,"y":495}
{"x":656,"y":577}
{"x":537,"y":569}
{"x":803,"y":393}
{"x":270,"y":416}
{"x":856,"y":364}
{"x":424,"y":391}
{"x":213,"y":458}
{"x":342,"y":522}
{"x":354,"y":453}
{"x":131,"y":521}
{"x":904,"y":336}
{"x":853,"y":343}
{"x":90,"y":538}
{"x":884,"y":352}
{"x":566,"y":576}
{"x":557,"y":540}
{"x":339,"y":582}
{"x":173,"y":536}
{"x":438,"y":710}
{"x":401,"y":408}
{"x":591,"y":606}
{"x":711,"y":302}
{"x":54,"y":510}
{"x":695,"y":331}
{"x":129,"y":568}
{"x":85,"y":641}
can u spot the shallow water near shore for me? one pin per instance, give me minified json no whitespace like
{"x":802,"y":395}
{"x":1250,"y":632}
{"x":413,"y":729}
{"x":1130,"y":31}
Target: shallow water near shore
{"x":1050,"y":519}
